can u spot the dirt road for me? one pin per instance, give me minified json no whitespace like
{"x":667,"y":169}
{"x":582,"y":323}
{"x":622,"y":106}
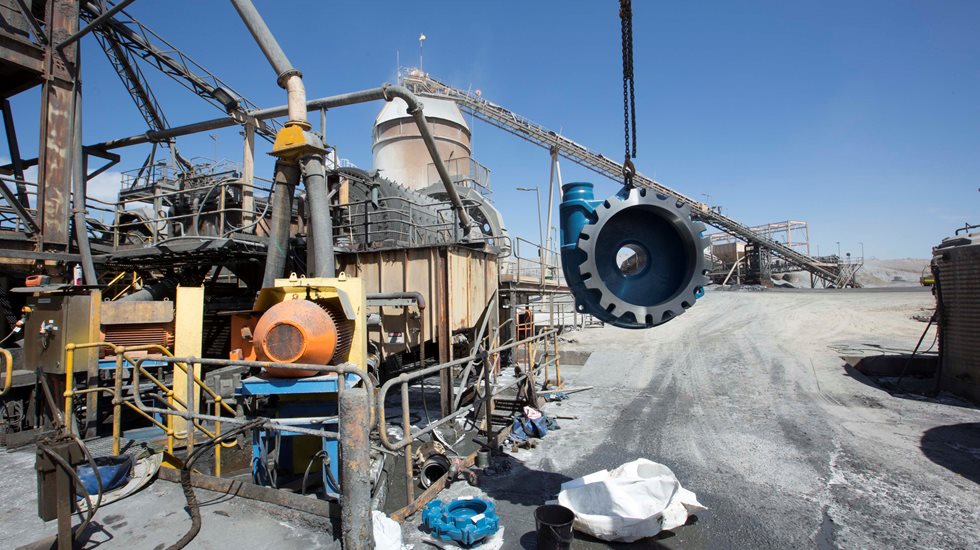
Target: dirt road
{"x":744,"y":398}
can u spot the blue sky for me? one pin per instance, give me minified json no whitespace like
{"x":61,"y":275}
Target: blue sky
{"x":862,"y":118}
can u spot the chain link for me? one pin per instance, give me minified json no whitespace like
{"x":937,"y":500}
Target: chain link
{"x":629,"y":96}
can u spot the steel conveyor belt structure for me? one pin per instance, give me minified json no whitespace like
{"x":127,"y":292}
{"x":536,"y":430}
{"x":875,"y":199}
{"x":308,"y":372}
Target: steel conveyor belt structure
{"x":509,"y":121}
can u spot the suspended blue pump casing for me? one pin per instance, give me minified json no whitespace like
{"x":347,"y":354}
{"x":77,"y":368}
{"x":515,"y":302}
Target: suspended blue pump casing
{"x":466,"y":520}
{"x":633,"y":260}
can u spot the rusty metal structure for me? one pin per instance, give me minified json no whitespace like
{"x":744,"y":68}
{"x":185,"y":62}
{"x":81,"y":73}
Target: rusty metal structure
{"x":292,"y":308}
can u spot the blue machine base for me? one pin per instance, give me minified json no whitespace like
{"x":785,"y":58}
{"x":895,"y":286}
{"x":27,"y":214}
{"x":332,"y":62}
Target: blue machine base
{"x":313,"y":397}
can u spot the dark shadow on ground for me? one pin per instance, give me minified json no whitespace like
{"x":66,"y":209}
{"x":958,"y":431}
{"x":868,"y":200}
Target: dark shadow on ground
{"x":529,"y":541}
{"x":955,"y":447}
{"x":517,"y":484}
{"x":917,"y":387}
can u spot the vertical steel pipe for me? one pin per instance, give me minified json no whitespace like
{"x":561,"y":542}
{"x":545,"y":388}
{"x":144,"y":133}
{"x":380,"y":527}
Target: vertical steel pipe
{"x":287,"y":175}
{"x":117,"y":401}
{"x":321,"y":224}
{"x":407,"y":434}
{"x":355,"y":485}
{"x":78,"y":181}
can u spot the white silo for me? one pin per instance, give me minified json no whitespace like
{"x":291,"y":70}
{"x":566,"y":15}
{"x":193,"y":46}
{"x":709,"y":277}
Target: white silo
{"x":399,"y":152}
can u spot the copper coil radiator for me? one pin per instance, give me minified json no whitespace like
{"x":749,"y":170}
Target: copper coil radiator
{"x":141,"y":334}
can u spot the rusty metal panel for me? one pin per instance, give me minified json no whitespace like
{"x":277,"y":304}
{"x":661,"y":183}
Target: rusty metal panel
{"x":959,"y":342}
{"x":470,"y":279}
{"x":131,"y":313}
{"x":54,"y":182}
{"x":471,"y":284}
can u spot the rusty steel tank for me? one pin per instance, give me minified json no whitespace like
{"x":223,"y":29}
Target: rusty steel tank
{"x":299,"y":331}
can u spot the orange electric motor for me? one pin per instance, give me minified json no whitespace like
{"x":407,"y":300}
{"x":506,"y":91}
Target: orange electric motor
{"x":295,"y":331}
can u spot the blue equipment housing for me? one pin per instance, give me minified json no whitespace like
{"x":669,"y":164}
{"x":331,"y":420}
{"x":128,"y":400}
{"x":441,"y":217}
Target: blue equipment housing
{"x":633,"y":260}
{"x":466,"y":520}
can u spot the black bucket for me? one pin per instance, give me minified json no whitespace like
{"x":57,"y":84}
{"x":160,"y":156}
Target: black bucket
{"x":554,"y":525}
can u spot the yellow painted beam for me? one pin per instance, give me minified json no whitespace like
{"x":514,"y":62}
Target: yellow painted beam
{"x":188,"y":339}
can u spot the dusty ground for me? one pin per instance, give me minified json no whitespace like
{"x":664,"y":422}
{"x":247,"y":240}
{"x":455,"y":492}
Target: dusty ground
{"x":900,"y":272}
{"x":745,"y":400}
{"x":742,"y":396}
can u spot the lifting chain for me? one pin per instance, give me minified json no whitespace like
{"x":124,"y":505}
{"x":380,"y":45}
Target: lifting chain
{"x":629,"y":97}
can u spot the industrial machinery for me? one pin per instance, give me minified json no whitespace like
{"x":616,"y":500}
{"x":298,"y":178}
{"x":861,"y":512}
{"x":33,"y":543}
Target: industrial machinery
{"x":300,"y":321}
{"x":634,"y":260}
{"x":184,"y":278}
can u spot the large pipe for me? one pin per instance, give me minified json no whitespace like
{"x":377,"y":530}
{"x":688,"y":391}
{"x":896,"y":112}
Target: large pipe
{"x":78,"y":181}
{"x":328,"y":102}
{"x":356,"y":525}
{"x":287,"y":76}
{"x":287,"y":175}
{"x":321,"y":225}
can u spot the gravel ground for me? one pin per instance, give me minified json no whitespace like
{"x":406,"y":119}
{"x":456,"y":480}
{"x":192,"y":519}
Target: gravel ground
{"x":745,"y":400}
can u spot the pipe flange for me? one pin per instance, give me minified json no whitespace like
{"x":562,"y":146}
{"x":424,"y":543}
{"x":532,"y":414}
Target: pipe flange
{"x":285,"y":75}
{"x":644,"y":256}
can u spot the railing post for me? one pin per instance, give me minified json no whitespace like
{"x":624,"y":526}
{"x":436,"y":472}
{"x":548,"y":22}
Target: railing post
{"x":117,"y":402}
{"x":69,"y":385}
{"x":407,"y":434}
{"x":355,"y":487}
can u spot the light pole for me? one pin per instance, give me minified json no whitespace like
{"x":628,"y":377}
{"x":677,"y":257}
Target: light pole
{"x":838,"y":251}
{"x":707,"y":199}
{"x":862,"y":251}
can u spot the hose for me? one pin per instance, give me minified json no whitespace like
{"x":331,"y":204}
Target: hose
{"x":193,"y":506}
{"x":326,"y":464}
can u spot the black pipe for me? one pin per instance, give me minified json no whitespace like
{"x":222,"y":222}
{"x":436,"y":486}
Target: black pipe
{"x":155,"y":292}
{"x":415,"y":109}
{"x":321,"y":224}
{"x":287,"y":175}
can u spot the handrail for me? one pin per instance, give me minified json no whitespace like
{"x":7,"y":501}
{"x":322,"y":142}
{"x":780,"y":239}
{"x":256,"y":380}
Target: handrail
{"x":9,"y":367}
{"x":489,"y":392}
{"x":345,"y":369}
{"x":116,"y":392}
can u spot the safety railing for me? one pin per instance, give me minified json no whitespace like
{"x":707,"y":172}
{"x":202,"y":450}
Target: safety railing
{"x":491,"y":389}
{"x":403,"y":221}
{"x":116,"y":392}
{"x":214,"y":210}
{"x":533,"y":264}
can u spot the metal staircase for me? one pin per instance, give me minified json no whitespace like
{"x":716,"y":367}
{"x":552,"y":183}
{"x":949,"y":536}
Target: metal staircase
{"x":422,"y":84}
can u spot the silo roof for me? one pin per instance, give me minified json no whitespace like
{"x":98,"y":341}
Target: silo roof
{"x":432,"y":107}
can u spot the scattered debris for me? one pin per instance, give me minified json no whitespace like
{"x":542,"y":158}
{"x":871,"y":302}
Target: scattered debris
{"x":387,"y":532}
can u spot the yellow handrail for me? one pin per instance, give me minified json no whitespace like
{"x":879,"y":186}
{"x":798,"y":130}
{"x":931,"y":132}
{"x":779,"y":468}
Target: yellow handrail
{"x":117,"y":401}
{"x":9,"y":361}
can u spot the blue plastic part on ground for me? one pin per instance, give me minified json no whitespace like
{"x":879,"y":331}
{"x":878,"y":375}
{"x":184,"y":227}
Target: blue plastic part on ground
{"x":114,"y":472}
{"x":466,"y":520}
